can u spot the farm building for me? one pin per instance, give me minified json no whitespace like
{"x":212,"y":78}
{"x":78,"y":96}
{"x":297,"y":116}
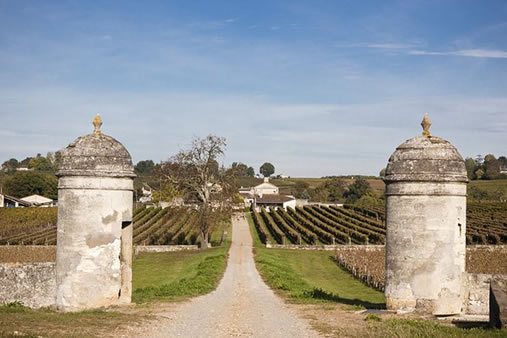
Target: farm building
{"x":29,"y":201}
{"x":39,"y":201}
{"x":7,"y":201}
{"x":266,"y":195}
{"x":274,"y":201}
{"x":264,"y":188}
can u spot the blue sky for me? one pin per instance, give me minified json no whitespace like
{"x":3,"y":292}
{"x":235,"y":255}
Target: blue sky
{"x":315,"y":87}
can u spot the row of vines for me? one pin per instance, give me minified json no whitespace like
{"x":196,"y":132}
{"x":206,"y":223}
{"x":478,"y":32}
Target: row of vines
{"x":152,"y":226}
{"x":486,"y":222}
{"x":368,"y":264}
{"x":317,"y":225}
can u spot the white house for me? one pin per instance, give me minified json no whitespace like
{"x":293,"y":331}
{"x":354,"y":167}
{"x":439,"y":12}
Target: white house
{"x":147,"y":195}
{"x":39,"y":201}
{"x":267,"y":195}
{"x":275,"y":201}
{"x":12,"y":202}
{"x":265,"y":188}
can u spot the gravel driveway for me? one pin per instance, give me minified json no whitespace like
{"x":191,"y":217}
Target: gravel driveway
{"x":241,"y":306}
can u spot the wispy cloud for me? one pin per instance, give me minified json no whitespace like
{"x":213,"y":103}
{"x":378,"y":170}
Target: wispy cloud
{"x":411,"y":49}
{"x":380,"y":45}
{"x":475,"y":53}
{"x":391,"y":45}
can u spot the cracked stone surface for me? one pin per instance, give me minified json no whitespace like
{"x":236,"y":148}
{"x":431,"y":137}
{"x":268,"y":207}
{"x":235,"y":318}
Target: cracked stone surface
{"x":241,"y":306}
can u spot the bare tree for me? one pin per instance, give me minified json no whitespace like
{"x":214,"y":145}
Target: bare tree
{"x":197,"y":174}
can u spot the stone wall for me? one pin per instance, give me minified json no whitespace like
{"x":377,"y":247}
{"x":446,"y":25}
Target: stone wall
{"x":163,"y":248}
{"x":336,"y":248}
{"x":476,"y":295}
{"x":32,"y":284}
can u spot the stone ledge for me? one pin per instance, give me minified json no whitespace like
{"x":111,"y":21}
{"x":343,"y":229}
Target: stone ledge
{"x":163,"y":248}
{"x":325,"y":247}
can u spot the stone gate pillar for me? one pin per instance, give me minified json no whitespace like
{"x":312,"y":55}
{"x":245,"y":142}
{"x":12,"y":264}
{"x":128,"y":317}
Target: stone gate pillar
{"x":426,"y":183}
{"x":94,"y":239}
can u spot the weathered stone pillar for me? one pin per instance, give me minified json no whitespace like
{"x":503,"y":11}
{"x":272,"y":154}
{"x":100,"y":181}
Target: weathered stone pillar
{"x":426,"y":183}
{"x":94,"y":240}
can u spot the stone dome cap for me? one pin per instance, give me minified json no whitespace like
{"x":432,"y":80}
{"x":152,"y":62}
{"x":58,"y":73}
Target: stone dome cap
{"x":96,"y":154}
{"x":426,"y":158}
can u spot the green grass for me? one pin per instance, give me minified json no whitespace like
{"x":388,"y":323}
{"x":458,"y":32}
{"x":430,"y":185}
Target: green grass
{"x":156,"y":276}
{"x":490,"y":187}
{"x":425,"y":328}
{"x":178,"y":275}
{"x":311,"y":277}
{"x":20,"y":321}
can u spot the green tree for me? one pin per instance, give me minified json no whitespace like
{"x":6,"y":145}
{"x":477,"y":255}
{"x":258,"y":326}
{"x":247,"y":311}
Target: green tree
{"x":250,"y":172}
{"x":144,"y":167}
{"x":40,"y":163}
{"x":267,"y":169}
{"x":55,"y":158}
{"x":479,"y":173}
{"x":301,"y":190}
{"x":10,"y":166}
{"x":241,"y":169}
{"x":166,"y":192}
{"x":331,"y":190}
{"x":471,"y":168}
{"x":370,"y":199}
{"x":25,"y":162}
{"x":336,"y":188}
{"x":25,"y":183}
{"x":491,"y":167}
{"x":357,"y":189}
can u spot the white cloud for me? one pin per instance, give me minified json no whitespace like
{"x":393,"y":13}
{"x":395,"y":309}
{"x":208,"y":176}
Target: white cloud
{"x":310,"y":139}
{"x":391,"y":45}
{"x":379,"y":45}
{"x":476,"y":53}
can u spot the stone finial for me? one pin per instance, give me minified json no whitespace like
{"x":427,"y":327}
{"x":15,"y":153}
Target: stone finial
{"x":97,"y":123}
{"x":426,"y":124}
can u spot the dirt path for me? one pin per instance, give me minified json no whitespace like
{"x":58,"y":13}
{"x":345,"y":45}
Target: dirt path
{"x":242,"y":305}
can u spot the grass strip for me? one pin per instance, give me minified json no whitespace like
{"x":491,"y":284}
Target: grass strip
{"x":387,"y":328}
{"x":19,"y":321}
{"x":188,"y":275}
{"x":311,"y":276}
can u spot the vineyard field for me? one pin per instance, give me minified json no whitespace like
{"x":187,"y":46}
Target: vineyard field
{"x":311,"y":225}
{"x":319,"y":224}
{"x":486,"y":222}
{"x":152,"y":226}
{"x":368,"y":263}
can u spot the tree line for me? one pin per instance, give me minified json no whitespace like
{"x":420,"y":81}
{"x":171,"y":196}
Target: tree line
{"x":486,"y":168}
{"x":338,"y":190}
{"x":32,"y":175}
{"x":148,"y":167}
